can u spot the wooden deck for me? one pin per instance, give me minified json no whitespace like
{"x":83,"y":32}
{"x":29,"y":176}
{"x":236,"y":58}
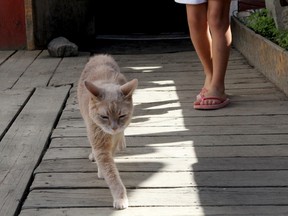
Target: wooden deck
{"x":179,"y":161}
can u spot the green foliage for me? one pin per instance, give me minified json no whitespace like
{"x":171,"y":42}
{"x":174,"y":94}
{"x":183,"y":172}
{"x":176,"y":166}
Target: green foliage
{"x":282,"y":39}
{"x":262,"y":23}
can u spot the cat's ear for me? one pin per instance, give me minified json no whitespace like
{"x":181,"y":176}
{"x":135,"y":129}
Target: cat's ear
{"x":92,"y":89}
{"x":129,"y":87}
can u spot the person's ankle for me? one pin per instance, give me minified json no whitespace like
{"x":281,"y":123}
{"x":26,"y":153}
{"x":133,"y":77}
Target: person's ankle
{"x":217,"y":92}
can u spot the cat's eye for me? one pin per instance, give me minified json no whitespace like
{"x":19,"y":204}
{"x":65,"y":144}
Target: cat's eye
{"x":104,"y":117}
{"x":122,"y":116}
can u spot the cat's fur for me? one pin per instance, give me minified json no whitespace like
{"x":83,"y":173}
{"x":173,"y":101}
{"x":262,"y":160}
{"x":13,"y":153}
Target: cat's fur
{"x":106,"y":105}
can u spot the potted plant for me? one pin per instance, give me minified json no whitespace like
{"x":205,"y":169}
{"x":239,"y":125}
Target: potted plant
{"x":266,"y":53}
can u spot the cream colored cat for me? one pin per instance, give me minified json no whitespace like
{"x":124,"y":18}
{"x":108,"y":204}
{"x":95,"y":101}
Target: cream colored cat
{"x":105,"y":102}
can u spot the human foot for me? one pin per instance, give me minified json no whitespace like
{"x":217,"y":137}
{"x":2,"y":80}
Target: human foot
{"x":201,"y":93}
{"x":211,"y":103}
{"x":208,"y":99}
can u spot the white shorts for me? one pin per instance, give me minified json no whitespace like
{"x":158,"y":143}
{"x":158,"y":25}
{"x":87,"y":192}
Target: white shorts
{"x":191,"y":1}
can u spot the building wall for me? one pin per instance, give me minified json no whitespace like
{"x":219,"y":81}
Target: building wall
{"x":251,"y":4}
{"x":81,"y":21}
{"x":12,"y":24}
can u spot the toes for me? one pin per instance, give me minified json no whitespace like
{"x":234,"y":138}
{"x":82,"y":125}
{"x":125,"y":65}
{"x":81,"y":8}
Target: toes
{"x":100,"y":175}
{"x":91,"y":157}
{"x":121,"y":203}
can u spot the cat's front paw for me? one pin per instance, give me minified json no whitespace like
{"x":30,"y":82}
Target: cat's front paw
{"x":121,"y":203}
{"x":100,"y":175}
{"x":91,"y":157}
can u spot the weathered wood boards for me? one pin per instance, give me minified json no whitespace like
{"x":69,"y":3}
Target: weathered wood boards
{"x":58,"y":198}
{"x":15,"y":66}
{"x":39,"y":72}
{"x":11,"y":104}
{"x":68,"y":72}
{"x":178,"y":161}
{"x":164,"y":211}
{"x":218,"y":162}
{"x":4,"y":55}
{"x":24,"y":142}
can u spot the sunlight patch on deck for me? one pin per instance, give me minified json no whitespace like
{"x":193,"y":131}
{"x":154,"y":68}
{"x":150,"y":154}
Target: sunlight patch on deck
{"x":146,"y":69}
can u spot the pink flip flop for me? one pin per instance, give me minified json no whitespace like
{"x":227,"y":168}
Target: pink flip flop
{"x":222,"y":102}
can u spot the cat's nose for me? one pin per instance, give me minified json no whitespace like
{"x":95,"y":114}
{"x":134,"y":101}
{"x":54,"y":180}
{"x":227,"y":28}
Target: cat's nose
{"x":114,"y":127}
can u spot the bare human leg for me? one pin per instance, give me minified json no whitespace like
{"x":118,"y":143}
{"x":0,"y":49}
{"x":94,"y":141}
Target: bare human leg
{"x":209,"y":27}
{"x":201,"y":38}
{"x":219,"y":24}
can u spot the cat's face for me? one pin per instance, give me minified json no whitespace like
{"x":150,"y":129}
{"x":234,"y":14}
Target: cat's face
{"x":112,"y":116}
{"x":111,"y":108}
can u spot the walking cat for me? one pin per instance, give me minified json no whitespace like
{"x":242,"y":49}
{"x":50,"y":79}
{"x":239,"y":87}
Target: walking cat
{"x":106,"y":105}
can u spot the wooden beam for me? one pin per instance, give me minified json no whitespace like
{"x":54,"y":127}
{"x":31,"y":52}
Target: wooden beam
{"x":30,"y":44}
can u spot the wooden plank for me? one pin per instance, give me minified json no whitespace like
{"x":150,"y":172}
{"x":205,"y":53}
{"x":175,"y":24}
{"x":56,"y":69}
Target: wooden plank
{"x":193,"y":121}
{"x":167,"y":71}
{"x":243,"y":88}
{"x":15,"y":66}
{"x":164,"y":211}
{"x":146,"y":152}
{"x":183,"y":57}
{"x":130,"y":180}
{"x":168,"y":102}
{"x":176,"y":152}
{"x":69,"y":70}
{"x":188,"y":96}
{"x":69,"y":142}
{"x":195,"y":130}
{"x":182,"y":109}
{"x":178,"y":109}
{"x":29,"y":21}
{"x":204,"y":140}
{"x":192,"y":141}
{"x":21,"y":147}
{"x":5,"y":54}
{"x":189,"y":121}
{"x":191,"y":78}
{"x":159,"y":197}
{"x":11,"y":104}
{"x":179,"y":68}
{"x":231,"y":87}
{"x":39,"y":72}
{"x":184,"y":131}
{"x":164,"y":179}
{"x":170,"y":164}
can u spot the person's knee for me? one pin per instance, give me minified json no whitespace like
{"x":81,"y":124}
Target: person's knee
{"x":218,"y":23}
{"x":218,"y":17}
{"x":194,"y":24}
